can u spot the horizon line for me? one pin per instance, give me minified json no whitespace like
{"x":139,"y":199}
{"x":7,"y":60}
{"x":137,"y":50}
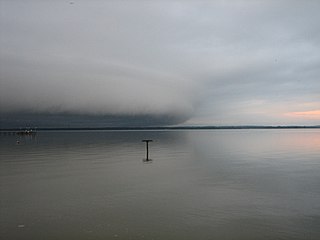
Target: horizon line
{"x":165,"y":127}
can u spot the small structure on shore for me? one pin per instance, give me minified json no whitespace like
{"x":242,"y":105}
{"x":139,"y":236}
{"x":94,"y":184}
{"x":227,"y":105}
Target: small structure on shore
{"x":27,"y":132}
{"x":147,"y":149}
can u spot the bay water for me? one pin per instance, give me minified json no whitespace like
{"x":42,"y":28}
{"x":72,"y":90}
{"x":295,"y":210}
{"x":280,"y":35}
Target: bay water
{"x":200,"y":184}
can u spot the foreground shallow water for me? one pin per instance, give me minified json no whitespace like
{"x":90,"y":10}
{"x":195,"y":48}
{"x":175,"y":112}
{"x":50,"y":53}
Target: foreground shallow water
{"x":201,"y":184}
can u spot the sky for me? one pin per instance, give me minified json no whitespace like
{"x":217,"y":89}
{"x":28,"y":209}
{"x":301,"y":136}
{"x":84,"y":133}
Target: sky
{"x":189,"y":62}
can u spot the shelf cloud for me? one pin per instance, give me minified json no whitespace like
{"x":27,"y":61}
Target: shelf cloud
{"x":219,"y":63}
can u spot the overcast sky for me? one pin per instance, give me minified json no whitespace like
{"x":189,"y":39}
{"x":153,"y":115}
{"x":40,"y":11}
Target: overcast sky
{"x":206,"y":62}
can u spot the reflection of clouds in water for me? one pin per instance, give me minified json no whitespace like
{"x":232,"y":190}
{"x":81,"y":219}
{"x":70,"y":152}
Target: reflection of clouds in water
{"x":250,"y":141}
{"x":308,"y":140}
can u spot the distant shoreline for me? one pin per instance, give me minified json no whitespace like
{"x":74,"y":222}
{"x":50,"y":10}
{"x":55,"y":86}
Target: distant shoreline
{"x":159,"y":128}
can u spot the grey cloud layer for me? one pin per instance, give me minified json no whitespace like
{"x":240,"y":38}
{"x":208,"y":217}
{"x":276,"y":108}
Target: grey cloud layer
{"x":211,"y":61}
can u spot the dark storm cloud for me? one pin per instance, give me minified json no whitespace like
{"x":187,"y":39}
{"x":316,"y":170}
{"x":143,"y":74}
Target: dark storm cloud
{"x":235,"y":62}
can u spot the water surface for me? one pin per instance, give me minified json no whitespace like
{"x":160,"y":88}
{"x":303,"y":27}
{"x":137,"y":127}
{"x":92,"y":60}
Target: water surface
{"x":201,"y":184}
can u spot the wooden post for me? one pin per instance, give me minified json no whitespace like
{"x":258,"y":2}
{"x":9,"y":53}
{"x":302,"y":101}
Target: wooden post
{"x":147,"y":148}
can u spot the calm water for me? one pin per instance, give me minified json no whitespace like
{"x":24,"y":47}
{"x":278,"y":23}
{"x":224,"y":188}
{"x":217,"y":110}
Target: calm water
{"x":216,"y":184}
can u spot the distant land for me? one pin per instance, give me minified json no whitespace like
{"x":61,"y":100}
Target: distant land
{"x":163,"y":128}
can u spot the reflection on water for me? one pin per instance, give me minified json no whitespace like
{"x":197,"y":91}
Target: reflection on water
{"x":222,"y":184}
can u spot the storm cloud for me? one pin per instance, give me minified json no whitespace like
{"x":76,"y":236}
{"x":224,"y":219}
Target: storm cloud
{"x":219,"y":62}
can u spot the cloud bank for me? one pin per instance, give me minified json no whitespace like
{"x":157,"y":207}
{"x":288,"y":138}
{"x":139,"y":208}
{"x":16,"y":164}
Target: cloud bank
{"x":220,"y":63}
